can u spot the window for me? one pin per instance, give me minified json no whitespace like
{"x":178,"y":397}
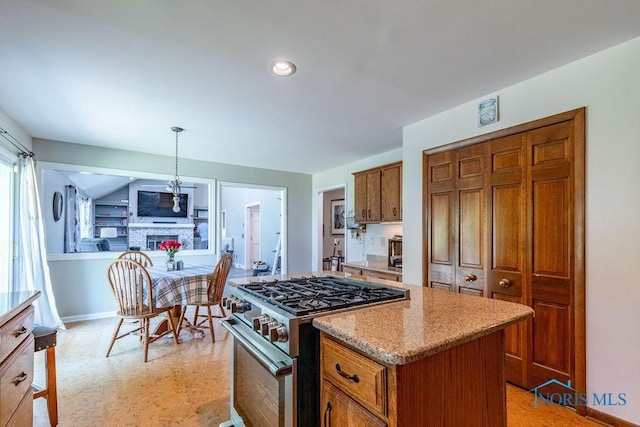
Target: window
{"x":114,"y":212}
{"x":6,"y":224}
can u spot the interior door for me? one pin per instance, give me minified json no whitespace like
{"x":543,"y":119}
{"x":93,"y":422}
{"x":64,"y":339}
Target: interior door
{"x":439,"y":221}
{"x":471,"y":219}
{"x":507,"y":207}
{"x":253,"y":234}
{"x":552,"y":245}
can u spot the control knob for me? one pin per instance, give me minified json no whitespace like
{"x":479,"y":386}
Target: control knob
{"x":240,"y":306}
{"x":257,"y":321}
{"x":278,"y":333}
{"x":266,"y":325}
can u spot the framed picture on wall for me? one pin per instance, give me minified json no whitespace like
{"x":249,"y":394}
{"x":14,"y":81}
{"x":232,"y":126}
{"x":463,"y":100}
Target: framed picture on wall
{"x":337,"y":216}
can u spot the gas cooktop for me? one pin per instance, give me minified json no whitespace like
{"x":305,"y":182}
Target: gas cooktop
{"x":306,"y":295}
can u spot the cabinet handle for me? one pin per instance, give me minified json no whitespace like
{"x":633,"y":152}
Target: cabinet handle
{"x":327,"y":415}
{"x":395,"y":211}
{"x":505,"y":283}
{"x":20,"y":378}
{"x":470,"y":278}
{"x":369,"y":213}
{"x":364,"y":214}
{"x":20,"y":331}
{"x":353,"y":377}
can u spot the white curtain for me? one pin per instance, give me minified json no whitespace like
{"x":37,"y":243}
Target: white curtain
{"x":32,"y":270}
{"x":85,"y":214}
{"x":71,"y":220}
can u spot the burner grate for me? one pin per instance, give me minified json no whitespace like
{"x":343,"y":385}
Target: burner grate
{"x":302,"y":296}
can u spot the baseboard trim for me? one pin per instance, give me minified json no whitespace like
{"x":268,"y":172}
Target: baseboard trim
{"x":607,"y":419}
{"x":92,"y":316}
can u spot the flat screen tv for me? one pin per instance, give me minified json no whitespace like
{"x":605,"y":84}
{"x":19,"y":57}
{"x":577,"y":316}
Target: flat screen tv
{"x":157,"y":204}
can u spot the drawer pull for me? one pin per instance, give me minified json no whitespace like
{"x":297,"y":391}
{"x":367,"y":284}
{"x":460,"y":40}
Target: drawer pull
{"x":20,"y":331}
{"x":20,"y":378}
{"x":353,"y":377}
{"x":327,"y":415}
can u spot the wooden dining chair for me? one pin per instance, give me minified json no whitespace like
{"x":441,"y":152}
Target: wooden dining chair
{"x":131,"y":286}
{"x":137,"y":256}
{"x":216,"y":286}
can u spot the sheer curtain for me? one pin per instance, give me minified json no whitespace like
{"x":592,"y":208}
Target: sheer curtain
{"x":71,"y":220}
{"x":32,"y":270}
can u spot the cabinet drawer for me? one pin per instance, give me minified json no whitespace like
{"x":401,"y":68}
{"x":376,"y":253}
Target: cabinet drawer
{"x":351,"y":270}
{"x":359,"y":377}
{"x":339,"y":409}
{"x":381,"y":275}
{"x":16,"y":376}
{"x":15,"y":331}
{"x":23,"y":416}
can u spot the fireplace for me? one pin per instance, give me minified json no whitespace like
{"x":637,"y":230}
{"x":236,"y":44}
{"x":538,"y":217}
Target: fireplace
{"x":153,"y":240}
{"x":148,"y":236}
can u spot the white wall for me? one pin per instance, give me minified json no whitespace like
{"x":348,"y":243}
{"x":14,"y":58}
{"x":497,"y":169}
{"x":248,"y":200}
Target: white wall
{"x":8,"y":124}
{"x":50,"y":182}
{"x":608,"y":84}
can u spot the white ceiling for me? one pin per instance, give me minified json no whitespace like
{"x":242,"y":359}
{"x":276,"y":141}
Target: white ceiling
{"x":120,"y":73}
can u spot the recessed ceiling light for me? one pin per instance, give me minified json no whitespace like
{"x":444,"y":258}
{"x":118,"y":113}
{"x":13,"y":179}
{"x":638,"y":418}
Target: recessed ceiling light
{"x":283,"y":68}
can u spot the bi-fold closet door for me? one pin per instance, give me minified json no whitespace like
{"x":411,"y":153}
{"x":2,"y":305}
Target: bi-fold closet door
{"x":503,"y":219}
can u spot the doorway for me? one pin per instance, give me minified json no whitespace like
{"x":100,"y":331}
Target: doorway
{"x":331,"y":233}
{"x":237,"y":204}
{"x":253,"y":247}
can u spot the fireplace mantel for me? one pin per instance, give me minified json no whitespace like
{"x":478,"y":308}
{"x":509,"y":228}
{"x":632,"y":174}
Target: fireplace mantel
{"x":159,"y":225}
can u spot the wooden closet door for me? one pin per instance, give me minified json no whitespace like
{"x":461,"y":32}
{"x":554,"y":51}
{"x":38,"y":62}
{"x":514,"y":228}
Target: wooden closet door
{"x":439,"y":221}
{"x":550,"y":184}
{"x":506,"y":277}
{"x":471,"y":219}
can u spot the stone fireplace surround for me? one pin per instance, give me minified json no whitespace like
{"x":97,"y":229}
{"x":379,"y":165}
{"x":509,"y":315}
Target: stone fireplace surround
{"x":139,"y":233}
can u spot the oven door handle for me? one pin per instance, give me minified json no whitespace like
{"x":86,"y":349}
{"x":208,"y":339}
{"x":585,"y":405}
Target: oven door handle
{"x":276,"y":368}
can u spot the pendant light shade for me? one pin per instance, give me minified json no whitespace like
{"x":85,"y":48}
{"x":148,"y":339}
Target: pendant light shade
{"x":174,"y":185}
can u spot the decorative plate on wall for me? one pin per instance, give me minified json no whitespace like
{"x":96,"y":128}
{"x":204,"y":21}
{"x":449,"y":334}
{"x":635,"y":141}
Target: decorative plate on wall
{"x":57,"y":205}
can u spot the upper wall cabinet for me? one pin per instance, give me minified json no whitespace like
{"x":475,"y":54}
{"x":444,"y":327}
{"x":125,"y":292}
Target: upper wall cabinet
{"x":378,"y":194}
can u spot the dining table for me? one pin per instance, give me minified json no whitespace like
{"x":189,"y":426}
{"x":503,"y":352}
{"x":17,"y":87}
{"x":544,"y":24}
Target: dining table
{"x":177,"y":288}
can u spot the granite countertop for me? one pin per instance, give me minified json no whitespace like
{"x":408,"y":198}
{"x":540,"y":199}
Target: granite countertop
{"x":431,"y":321}
{"x":375,"y":266}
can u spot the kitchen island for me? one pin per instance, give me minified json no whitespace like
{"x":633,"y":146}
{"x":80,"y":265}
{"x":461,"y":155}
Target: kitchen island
{"x":435,"y":359}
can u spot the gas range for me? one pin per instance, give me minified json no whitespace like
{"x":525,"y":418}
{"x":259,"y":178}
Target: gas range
{"x":277,"y":348}
{"x":276,"y":308}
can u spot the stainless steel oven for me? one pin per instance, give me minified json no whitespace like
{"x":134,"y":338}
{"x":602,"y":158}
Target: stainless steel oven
{"x":262,"y":381}
{"x":275,"y":378}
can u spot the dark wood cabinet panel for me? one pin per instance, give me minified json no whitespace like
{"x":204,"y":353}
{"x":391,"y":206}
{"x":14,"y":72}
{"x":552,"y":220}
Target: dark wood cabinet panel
{"x":391,"y":193}
{"x":340,"y":410}
{"x":378,"y":194}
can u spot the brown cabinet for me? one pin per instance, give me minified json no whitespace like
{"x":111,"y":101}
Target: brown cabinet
{"x":391,"y":193}
{"x":16,"y":366}
{"x":357,"y":390}
{"x":504,"y":219}
{"x":363,"y":271}
{"x":378,"y":194}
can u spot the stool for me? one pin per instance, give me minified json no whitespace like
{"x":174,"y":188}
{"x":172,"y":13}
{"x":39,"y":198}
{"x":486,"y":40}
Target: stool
{"x":45,"y":339}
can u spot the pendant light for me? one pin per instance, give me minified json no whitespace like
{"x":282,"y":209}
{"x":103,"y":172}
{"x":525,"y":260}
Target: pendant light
{"x":174,"y":186}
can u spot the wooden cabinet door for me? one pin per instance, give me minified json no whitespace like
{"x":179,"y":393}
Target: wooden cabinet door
{"x":374,"y":213}
{"x":470,"y":219}
{"x":551,"y":249}
{"x":360,"y":197}
{"x":339,"y":410}
{"x":391,"y":193}
{"x":507,"y":238}
{"x":439,"y":221}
